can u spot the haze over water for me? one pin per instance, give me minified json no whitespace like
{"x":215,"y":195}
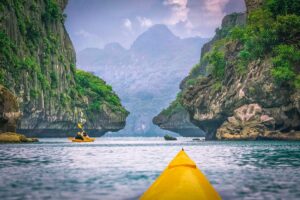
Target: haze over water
{"x":143,"y":49}
{"x":123,"y":168}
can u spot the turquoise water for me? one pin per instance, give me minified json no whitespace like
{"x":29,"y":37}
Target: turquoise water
{"x":122,"y":168}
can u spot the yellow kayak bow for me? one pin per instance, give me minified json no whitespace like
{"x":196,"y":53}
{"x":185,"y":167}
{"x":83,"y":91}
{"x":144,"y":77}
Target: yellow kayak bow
{"x":181,"y":180}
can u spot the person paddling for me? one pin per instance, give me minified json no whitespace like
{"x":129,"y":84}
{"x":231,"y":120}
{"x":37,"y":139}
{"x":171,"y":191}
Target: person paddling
{"x":79,"y":136}
{"x":82,"y":134}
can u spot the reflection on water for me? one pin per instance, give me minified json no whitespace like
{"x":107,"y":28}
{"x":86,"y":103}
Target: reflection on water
{"x":122,"y":168}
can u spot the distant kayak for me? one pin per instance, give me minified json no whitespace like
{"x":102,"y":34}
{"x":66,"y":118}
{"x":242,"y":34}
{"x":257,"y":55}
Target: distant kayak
{"x":181,"y":180}
{"x":85,"y":139}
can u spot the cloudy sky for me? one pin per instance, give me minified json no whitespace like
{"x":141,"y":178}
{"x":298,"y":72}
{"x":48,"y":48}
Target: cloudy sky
{"x":94,"y":23}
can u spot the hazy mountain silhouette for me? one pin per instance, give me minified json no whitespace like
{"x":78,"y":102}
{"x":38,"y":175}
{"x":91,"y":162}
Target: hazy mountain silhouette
{"x":147,"y":75}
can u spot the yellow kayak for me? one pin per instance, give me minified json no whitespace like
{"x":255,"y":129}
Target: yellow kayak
{"x":181,"y":180}
{"x":85,"y":139}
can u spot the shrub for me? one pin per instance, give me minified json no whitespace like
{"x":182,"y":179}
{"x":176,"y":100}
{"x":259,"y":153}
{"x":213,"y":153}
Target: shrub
{"x":287,"y":29}
{"x":173,"y":108}
{"x":52,"y":12}
{"x":217,"y":86}
{"x":283,"y":7}
{"x":30,"y":64}
{"x":97,"y":91}
{"x":2,"y":76}
{"x":217,"y":63}
{"x":44,"y":82}
{"x":64,"y":99}
{"x":32,"y":31}
{"x":297,"y":81}
{"x":191,"y":82}
{"x":34,"y":93}
{"x":272,"y":30}
{"x":73,"y":68}
{"x":54,"y":80}
{"x":95,"y":106}
{"x":195,"y":70}
{"x":8,"y":49}
{"x":284,"y":60}
{"x":237,"y":33}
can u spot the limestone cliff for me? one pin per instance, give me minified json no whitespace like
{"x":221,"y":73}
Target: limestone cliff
{"x":176,"y":118}
{"x":251,"y":90}
{"x":247,"y":84}
{"x":38,"y":66}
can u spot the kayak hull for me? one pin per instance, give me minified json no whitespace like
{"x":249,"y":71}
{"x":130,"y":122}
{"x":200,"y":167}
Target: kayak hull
{"x":84,"y":140}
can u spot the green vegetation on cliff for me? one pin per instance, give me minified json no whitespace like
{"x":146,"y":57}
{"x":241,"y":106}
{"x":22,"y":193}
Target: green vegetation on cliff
{"x":258,"y":63}
{"x":216,"y":60}
{"x":52,"y":12}
{"x":98,"y":92}
{"x":271,"y":31}
{"x":174,"y":107}
{"x":20,"y":56}
{"x":38,"y":66}
{"x":251,"y":63}
{"x":213,"y":62}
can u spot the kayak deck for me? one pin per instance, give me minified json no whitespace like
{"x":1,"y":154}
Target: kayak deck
{"x":181,"y":180}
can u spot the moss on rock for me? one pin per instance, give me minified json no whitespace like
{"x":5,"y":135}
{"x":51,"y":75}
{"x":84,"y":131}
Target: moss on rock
{"x":10,"y":137}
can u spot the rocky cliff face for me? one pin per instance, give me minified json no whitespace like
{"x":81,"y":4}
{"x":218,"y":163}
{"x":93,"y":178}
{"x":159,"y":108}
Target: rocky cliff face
{"x":252,"y":5}
{"x":178,"y":122}
{"x":210,"y":107}
{"x":38,"y":66}
{"x":246,"y":85}
{"x":9,"y":111}
{"x":252,"y":122}
{"x":251,"y":89}
{"x":176,"y":118}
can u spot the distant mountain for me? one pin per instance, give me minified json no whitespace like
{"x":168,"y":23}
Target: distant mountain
{"x":147,"y":75}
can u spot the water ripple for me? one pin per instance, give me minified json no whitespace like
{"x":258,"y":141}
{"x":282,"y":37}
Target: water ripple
{"x":123,"y":168}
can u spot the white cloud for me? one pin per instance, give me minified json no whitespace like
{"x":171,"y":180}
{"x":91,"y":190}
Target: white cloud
{"x":144,"y":22}
{"x":87,"y":39}
{"x":210,"y":16}
{"x":179,"y":11}
{"x":127,"y":24}
{"x":84,"y":33}
{"x":202,"y":17}
{"x":216,"y":7}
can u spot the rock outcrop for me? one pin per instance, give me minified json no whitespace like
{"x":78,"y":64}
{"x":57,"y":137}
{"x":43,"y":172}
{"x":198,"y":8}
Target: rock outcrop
{"x":238,"y":91}
{"x":251,"y":122}
{"x":9,"y":111}
{"x":10,"y":137}
{"x":251,"y":5}
{"x":38,"y":66}
{"x":9,"y":116}
{"x":178,"y":120}
{"x":244,"y":105}
{"x":209,"y":108}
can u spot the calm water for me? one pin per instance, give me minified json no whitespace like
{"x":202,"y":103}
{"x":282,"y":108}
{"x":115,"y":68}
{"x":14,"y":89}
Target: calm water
{"x":122,"y":168}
